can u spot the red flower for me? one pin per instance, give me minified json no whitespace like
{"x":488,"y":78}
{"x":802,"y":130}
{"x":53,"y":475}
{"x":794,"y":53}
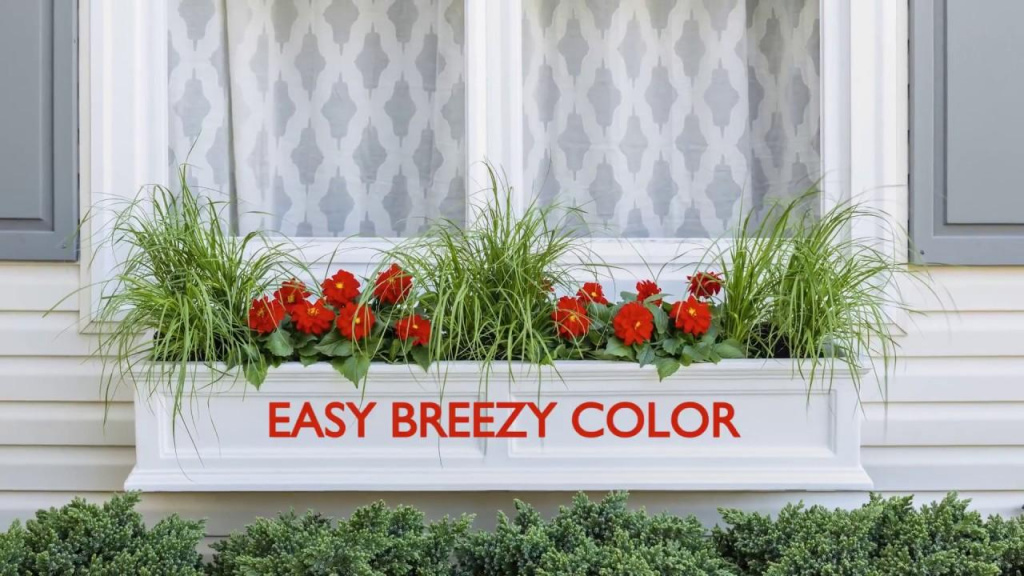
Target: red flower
{"x":292,"y":293}
{"x":705,"y":284}
{"x":393,"y":285}
{"x":415,"y":328}
{"x":355,"y":321}
{"x":570,"y":318}
{"x":634,"y":323}
{"x":692,"y":316}
{"x":645,"y":289}
{"x":592,"y":292}
{"x":341,"y":289}
{"x":265,"y":315}
{"x":312,"y":318}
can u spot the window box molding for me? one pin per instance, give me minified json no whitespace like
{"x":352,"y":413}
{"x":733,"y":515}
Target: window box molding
{"x":789,"y":439}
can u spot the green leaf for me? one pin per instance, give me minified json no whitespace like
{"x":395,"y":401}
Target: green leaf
{"x":280,"y":344}
{"x":308,"y":349}
{"x":703,"y":348}
{"x":688,"y":355}
{"x":354,"y":368}
{"x":602,"y":313}
{"x":255,"y":374}
{"x":729,"y":349}
{"x":666,"y":367}
{"x":560,"y":352}
{"x":671,"y":345}
{"x":334,"y":345}
{"x":307,"y":359}
{"x":617,"y":349}
{"x":660,"y":318}
{"x":646,"y":355}
{"x":421,"y":356}
{"x":628,"y":296}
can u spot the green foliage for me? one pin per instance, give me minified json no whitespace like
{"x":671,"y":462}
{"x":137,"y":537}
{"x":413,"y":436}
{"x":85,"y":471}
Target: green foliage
{"x":181,"y":292}
{"x":799,"y":285}
{"x":885,"y":537}
{"x":108,"y":540}
{"x":485,"y":286}
{"x":881,"y":538}
{"x":590,"y":538}
{"x":375,"y":541}
{"x":1007,"y":538}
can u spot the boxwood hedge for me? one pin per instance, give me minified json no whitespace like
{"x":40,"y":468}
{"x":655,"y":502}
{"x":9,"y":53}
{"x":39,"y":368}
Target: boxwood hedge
{"x":587,"y":538}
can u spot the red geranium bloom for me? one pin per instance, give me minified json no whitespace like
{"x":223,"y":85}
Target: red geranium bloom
{"x":292,"y":293}
{"x":265,"y":315}
{"x":692,"y":316}
{"x":393,"y":285}
{"x":705,"y":284}
{"x":634,"y":323}
{"x":312,"y":318}
{"x":341,"y":289}
{"x":592,"y":292}
{"x":645,"y":289}
{"x":355,"y":321}
{"x":415,"y":328}
{"x":570,"y":318}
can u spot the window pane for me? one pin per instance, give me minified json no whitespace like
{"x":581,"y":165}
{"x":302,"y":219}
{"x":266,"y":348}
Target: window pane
{"x":323,"y":117}
{"x":663,"y":118}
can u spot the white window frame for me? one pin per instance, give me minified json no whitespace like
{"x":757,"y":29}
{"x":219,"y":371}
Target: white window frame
{"x":124,"y":125}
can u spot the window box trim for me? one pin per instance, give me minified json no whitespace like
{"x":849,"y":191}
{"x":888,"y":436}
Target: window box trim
{"x":790,"y":440}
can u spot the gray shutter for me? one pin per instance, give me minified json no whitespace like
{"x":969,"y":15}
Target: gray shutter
{"x":38,"y":129}
{"x":967,"y":131}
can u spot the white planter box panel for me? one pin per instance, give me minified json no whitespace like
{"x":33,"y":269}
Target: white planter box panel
{"x":788,"y":439}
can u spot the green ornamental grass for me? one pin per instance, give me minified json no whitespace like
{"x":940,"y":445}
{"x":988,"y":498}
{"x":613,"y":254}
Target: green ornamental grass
{"x":487,"y":287}
{"x":181,"y":291}
{"x":799,"y":285}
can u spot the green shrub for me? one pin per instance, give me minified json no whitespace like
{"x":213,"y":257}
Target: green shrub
{"x":885,"y":537}
{"x":882,"y":537}
{"x":375,"y":541}
{"x":1007,"y":538}
{"x":109,"y":540}
{"x":590,"y":538}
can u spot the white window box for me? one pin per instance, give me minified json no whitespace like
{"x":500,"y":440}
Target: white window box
{"x":789,"y":439}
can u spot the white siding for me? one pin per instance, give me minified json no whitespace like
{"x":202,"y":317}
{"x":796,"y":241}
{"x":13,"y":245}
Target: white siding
{"x":954,"y":421}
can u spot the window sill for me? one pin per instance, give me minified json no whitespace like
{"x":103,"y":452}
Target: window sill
{"x":788,"y":440}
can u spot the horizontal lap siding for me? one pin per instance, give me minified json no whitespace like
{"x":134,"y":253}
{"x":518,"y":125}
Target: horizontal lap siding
{"x":954,"y":420}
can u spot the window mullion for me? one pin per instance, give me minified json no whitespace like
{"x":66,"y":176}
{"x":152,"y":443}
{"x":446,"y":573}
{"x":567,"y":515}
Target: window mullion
{"x":494,"y":95}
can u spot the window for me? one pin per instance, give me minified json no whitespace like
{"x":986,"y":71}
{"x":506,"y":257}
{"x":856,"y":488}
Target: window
{"x":335,"y":118}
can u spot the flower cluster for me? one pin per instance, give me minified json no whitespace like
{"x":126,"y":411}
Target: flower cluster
{"x":349,"y":328}
{"x":644,"y":326}
{"x":633,"y":321}
{"x":339,"y":306}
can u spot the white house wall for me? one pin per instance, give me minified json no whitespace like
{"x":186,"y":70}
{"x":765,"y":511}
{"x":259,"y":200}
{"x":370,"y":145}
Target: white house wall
{"x":954,"y":420}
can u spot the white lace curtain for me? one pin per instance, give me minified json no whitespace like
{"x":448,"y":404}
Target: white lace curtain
{"x":661,"y":118}
{"x":322,"y":117}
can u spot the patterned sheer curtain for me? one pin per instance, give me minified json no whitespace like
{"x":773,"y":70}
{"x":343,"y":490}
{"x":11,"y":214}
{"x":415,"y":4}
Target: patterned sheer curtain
{"x":665,"y":118}
{"x":322,"y":117}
